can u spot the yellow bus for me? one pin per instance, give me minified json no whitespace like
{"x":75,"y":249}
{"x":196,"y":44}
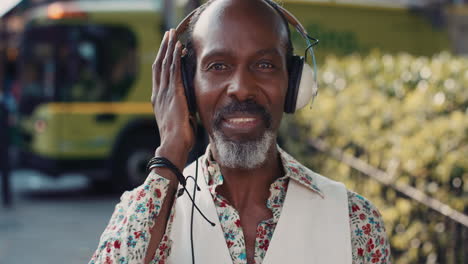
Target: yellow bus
{"x":85,"y":74}
{"x":85,"y":89}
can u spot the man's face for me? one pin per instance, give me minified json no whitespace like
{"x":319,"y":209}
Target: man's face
{"x":241,"y":77}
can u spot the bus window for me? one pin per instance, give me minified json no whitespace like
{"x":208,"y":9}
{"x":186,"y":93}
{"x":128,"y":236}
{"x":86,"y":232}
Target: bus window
{"x":77,"y":63}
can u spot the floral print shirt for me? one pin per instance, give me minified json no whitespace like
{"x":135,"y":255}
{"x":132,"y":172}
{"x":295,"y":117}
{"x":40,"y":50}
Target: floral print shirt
{"x":126,"y":237}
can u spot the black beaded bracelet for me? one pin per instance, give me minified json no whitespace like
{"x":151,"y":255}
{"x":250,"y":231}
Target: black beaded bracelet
{"x":161,"y":162}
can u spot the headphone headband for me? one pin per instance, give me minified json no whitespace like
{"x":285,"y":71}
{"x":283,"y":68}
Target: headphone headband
{"x":183,"y":25}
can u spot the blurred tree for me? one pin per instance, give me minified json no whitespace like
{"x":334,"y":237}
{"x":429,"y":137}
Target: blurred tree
{"x":407,"y":116}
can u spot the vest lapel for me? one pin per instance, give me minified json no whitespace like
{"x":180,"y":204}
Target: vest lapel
{"x":212,"y":243}
{"x":209,"y":242}
{"x":312,"y":229}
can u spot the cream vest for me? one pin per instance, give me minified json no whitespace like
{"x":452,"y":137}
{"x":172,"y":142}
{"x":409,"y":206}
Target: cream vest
{"x":311,"y":229}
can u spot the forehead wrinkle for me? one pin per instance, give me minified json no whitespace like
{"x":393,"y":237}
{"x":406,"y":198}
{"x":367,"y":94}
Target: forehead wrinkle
{"x":212,"y":50}
{"x":272,"y":51}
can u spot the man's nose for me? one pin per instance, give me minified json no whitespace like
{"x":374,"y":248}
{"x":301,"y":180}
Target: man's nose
{"x":243,"y":85}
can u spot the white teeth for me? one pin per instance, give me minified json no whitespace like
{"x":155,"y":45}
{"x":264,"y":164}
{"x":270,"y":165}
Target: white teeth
{"x":241,"y":119}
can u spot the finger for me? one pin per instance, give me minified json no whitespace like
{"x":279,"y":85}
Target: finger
{"x":176,"y":75}
{"x":176,"y":72}
{"x":159,"y":58}
{"x":167,"y":62}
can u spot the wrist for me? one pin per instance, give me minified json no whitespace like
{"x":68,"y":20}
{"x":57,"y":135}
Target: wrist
{"x":162,"y":162}
{"x":175,"y":153}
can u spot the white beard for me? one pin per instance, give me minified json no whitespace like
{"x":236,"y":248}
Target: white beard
{"x":242,"y":155}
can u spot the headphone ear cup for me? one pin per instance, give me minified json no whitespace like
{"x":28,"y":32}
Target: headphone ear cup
{"x":187,"y":79}
{"x":295,"y":72}
{"x":307,"y":87}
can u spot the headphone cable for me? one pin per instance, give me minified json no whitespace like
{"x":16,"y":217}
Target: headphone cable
{"x":193,"y":209}
{"x":194,"y":206}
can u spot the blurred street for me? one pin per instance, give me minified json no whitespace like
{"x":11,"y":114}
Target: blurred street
{"x":52,"y":221}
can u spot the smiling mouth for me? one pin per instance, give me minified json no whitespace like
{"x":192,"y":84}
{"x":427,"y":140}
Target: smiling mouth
{"x":240,"y":120}
{"x":242,"y":123}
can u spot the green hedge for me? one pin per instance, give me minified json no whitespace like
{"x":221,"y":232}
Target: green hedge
{"x":399,"y":109}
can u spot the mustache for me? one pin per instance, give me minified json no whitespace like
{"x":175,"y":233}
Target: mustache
{"x":245,"y":107}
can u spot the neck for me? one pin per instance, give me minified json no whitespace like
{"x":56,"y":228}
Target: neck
{"x":250,"y":187}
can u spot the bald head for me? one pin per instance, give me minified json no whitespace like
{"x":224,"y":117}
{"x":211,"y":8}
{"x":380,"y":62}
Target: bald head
{"x":260,"y":15}
{"x":256,"y":16}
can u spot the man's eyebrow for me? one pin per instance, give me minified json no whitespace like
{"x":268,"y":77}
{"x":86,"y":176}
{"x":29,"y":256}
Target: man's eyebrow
{"x":225,"y":52}
{"x":217,"y":53}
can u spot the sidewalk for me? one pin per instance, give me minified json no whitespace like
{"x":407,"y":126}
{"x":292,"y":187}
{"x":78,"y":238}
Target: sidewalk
{"x":50,"y":223}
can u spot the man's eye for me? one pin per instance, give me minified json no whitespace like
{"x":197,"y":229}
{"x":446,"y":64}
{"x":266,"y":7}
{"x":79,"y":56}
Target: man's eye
{"x":217,"y":67}
{"x":265,"y":65}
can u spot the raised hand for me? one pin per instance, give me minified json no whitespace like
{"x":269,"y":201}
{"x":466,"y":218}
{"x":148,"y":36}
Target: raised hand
{"x":169,"y":103}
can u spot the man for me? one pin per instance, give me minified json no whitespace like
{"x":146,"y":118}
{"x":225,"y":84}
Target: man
{"x":266,"y":206}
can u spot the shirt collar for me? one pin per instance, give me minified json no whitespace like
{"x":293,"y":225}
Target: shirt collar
{"x":293,"y":170}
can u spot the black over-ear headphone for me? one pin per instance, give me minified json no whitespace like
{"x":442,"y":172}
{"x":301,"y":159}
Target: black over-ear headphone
{"x":302,"y":85}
